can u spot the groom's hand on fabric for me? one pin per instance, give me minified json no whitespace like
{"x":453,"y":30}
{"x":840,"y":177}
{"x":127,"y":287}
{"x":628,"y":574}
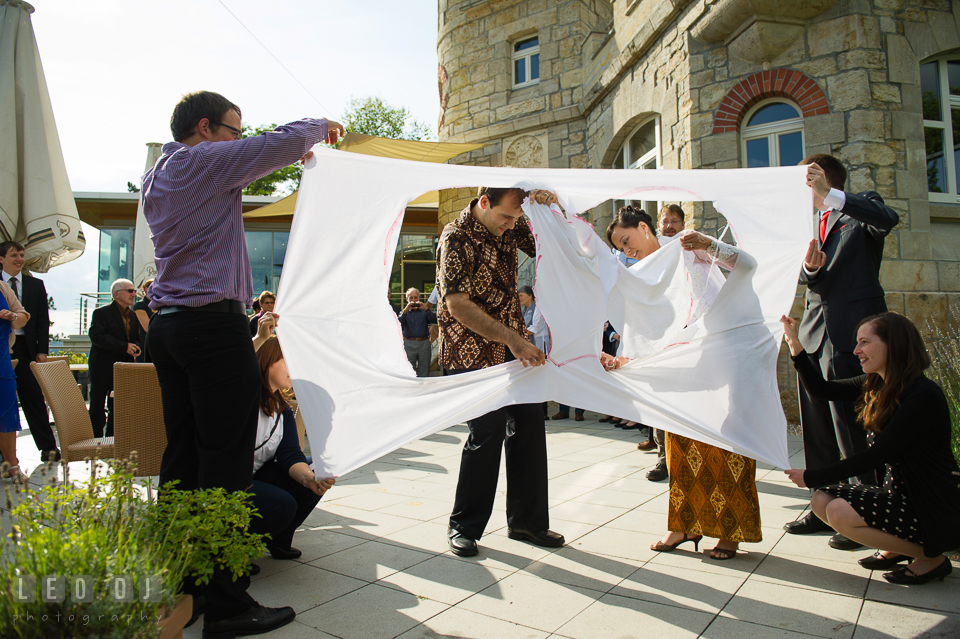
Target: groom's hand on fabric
{"x":815,"y":258}
{"x":527,"y":353}
{"x":544,"y":197}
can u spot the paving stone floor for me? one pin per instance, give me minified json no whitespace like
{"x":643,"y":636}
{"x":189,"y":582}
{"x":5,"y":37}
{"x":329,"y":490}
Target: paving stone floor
{"x":376,"y":565}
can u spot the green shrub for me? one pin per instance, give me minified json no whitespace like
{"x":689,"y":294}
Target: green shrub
{"x":107,"y":527}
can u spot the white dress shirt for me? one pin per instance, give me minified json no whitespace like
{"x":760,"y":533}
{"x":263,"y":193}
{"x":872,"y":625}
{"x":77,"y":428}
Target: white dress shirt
{"x":19,"y":291}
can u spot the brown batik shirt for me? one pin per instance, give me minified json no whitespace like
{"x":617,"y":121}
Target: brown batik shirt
{"x":471,"y":260}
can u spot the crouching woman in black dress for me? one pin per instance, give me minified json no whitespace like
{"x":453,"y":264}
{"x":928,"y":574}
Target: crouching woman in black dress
{"x":916,"y":514}
{"x":285,"y":490}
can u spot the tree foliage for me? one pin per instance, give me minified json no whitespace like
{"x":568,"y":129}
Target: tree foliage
{"x":372,"y":116}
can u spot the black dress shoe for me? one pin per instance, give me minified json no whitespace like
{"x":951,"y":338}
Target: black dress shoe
{"x":280,"y":553}
{"x":50,"y":455}
{"x":199,"y":606}
{"x":842,"y":542}
{"x":257,"y":620}
{"x":658,"y":472}
{"x":461,"y":545}
{"x":254,"y":570}
{"x":546,"y":538}
{"x":807,"y":524}
{"x":907,"y":577}
{"x":877,"y":561}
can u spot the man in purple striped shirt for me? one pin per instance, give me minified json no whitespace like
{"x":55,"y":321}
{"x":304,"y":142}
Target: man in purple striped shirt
{"x":199,"y":340}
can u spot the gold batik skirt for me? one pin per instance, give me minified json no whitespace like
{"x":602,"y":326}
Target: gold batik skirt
{"x":713,"y":492}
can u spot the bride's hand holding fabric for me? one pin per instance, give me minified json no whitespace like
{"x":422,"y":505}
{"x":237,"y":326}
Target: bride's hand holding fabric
{"x":694,"y":241}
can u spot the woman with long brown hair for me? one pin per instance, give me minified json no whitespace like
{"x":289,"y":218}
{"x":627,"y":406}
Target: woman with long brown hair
{"x":915,"y":515}
{"x":285,"y":489}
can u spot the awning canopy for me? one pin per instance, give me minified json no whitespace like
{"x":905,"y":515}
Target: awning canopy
{"x":413,"y":150}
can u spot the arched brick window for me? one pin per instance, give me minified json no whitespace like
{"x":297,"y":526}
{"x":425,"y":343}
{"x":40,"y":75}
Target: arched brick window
{"x":783,"y":83}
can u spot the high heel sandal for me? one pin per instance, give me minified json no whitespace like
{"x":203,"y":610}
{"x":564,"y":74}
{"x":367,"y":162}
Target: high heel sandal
{"x":662,"y":547}
{"x":722,"y":554}
{"x":13,"y":474}
{"x":608,"y":418}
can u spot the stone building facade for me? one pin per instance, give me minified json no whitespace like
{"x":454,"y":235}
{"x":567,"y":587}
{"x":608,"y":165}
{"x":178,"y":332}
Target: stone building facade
{"x":725,"y":84}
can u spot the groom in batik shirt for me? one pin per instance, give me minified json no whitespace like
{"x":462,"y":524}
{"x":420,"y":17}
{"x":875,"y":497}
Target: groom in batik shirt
{"x":481,"y":325}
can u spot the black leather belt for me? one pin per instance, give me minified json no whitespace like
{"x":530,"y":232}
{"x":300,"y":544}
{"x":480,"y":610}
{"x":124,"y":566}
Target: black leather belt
{"x":417,"y":339}
{"x":223,"y":306}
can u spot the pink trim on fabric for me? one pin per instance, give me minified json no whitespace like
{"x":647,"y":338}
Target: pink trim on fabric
{"x":386,"y":243}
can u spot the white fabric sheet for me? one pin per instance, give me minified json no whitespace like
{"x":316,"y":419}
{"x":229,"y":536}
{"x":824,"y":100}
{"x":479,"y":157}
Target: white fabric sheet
{"x":714,"y":380}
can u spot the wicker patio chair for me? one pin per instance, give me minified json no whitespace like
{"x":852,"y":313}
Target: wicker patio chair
{"x":138,"y":416}
{"x":70,"y":415}
{"x":58,"y":358}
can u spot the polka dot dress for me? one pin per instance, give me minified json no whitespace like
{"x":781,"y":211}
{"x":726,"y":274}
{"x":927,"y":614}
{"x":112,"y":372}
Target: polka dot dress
{"x":883,"y":508}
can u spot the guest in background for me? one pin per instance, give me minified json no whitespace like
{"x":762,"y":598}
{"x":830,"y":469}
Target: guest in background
{"x":113,"y":337}
{"x":266,"y":300}
{"x":31,"y":345}
{"x":285,"y":490}
{"x":12,"y":317}
{"x":415,"y":323}
{"x":142,"y":310}
{"x":537,"y":330}
{"x":609,"y":345}
{"x":916,"y":514}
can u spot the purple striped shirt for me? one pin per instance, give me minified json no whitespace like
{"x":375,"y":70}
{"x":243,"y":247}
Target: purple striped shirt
{"x":192,"y":200}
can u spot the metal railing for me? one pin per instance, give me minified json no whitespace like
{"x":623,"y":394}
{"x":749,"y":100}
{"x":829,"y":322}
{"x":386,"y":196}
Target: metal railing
{"x":86,"y":303}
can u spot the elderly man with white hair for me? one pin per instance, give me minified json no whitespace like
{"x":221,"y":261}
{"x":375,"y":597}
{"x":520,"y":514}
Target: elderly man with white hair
{"x":415,"y":322}
{"x":113,"y":333}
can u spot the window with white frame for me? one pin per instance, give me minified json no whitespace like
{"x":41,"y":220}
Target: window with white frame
{"x":641,"y":150}
{"x":940,"y":86}
{"x":526,"y":62}
{"x":772,"y":135}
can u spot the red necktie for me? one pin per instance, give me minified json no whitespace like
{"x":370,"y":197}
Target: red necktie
{"x":823,"y":226}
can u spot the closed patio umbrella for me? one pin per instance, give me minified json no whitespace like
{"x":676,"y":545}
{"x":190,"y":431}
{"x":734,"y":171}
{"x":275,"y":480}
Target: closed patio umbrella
{"x":36,"y":203}
{"x":144,"y":265}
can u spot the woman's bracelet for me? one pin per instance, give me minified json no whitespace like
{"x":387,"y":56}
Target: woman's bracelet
{"x":303,"y":480}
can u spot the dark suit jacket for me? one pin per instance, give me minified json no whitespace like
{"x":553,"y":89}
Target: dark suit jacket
{"x":36,"y":332}
{"x":847,"y":288}
{"x":109,"y":342}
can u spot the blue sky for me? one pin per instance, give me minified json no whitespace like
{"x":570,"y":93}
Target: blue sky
{"x":116,"y":68}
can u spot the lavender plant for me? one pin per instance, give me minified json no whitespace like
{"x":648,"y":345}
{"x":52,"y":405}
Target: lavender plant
{"x":945,"y":369}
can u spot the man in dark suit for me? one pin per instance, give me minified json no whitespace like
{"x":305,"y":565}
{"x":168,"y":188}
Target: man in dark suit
{"x":31,"y":346}
{"x":842,"y":274}
{"x":113,"y":333}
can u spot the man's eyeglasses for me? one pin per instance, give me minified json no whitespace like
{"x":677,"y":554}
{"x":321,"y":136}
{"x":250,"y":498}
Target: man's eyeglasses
{"x":239,"y":133}
{"x":128,"y":290}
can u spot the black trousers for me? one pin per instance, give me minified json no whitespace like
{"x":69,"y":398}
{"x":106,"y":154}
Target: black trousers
{"x":283,"y":505}
{"x":831,"y":429}
{"x":210,"y":389}
{"x":100,"y":390}
{"x":519,"y":430}
{"x":31,"y":398}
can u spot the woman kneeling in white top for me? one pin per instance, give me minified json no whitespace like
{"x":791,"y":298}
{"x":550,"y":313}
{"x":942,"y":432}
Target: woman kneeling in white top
{"x":285,"y":490}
